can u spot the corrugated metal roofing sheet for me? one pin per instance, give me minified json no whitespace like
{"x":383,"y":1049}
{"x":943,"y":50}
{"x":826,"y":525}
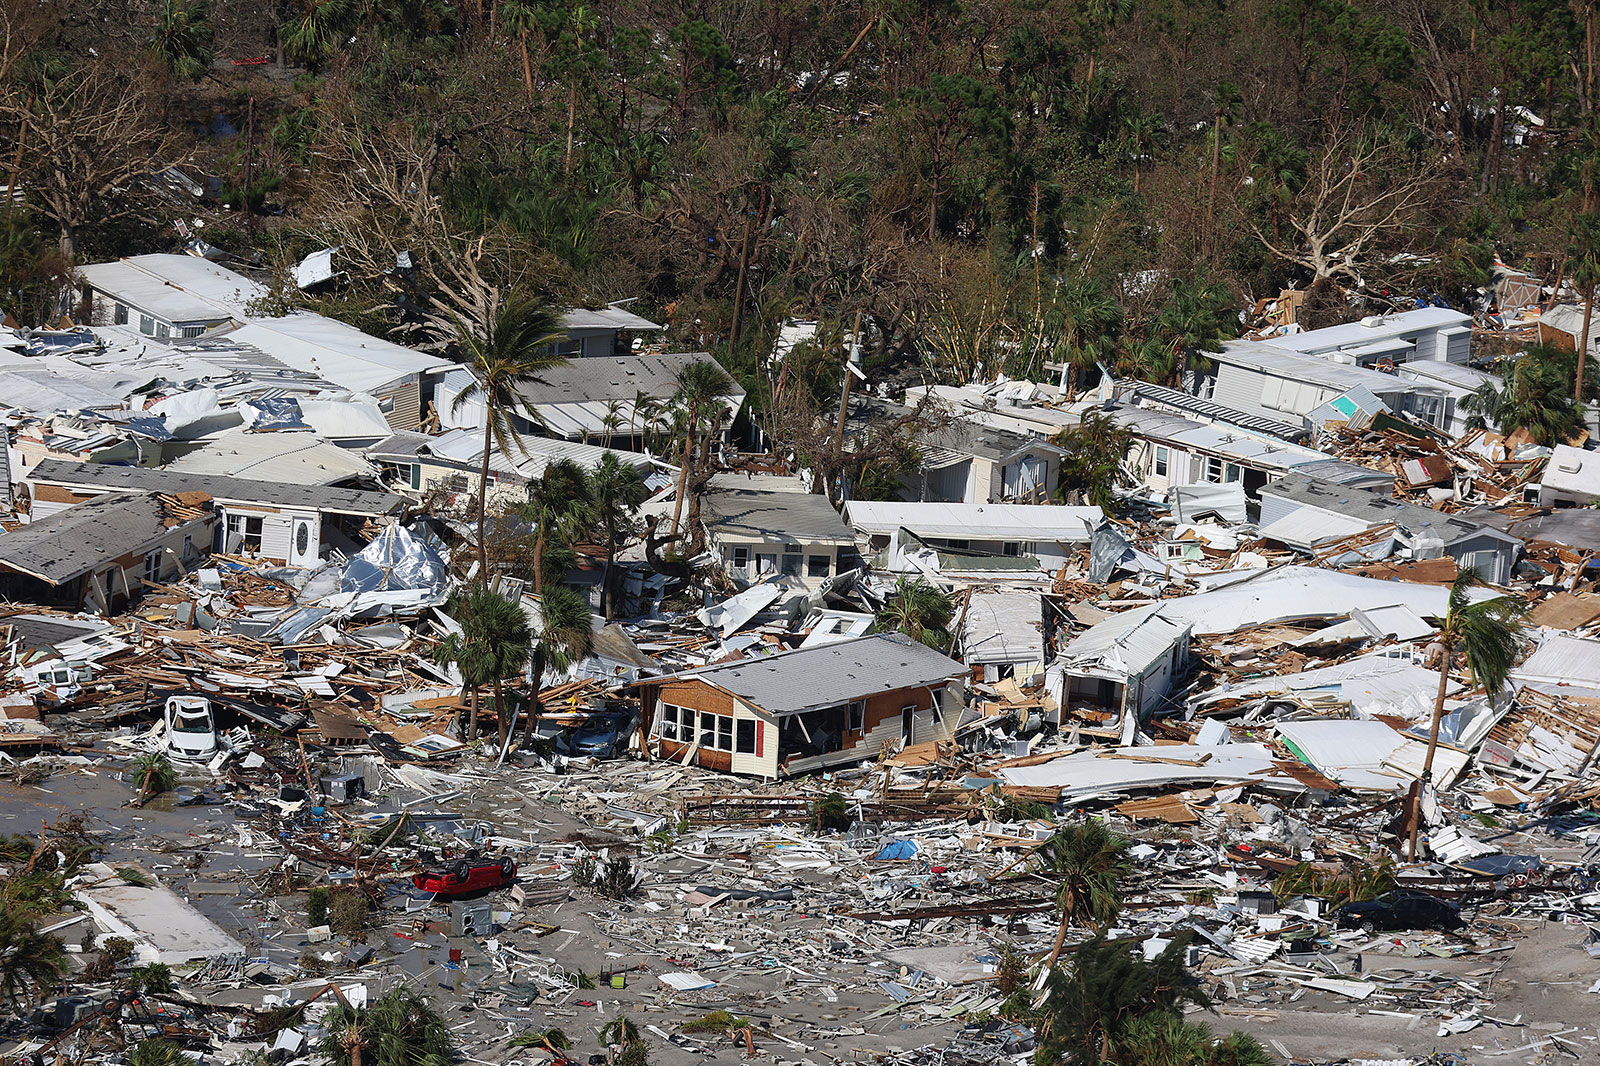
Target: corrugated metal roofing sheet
{"x":101,"y":475}
{"x":975,"y":521}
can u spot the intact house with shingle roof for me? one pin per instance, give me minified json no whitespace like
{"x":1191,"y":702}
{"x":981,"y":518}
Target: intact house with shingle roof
{"x":294,"y":525}
{"x":807,"y":709}
{"x":99,"y":554}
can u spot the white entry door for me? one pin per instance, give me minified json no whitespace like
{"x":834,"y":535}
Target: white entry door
{"x":303,"y":543}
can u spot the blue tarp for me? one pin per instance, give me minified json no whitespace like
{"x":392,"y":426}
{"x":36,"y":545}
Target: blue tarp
{"x":898,"y":849}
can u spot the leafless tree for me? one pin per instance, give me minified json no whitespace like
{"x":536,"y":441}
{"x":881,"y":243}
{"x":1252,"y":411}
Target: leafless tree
{"x":378,"y":201}
{"x":1359,"y":191}
{"x":84,"y":145}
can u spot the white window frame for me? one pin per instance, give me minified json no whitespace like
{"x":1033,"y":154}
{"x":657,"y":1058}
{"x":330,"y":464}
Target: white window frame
{"x":152,"y":565}
{"x":1159,"y":463}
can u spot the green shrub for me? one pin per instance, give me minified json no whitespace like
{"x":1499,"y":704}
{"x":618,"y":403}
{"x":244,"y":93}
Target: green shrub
{"x":317,"y":906}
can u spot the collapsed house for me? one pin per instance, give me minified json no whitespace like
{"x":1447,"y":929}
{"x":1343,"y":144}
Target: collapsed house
{"x":1129,"y":669}
{"x":285,"y":523}
{"x":828,"y":705}
{"x":100,"y":554}
{"x":1324,"y":519}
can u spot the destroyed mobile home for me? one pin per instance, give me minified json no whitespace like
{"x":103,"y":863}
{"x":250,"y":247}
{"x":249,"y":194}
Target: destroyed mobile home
{"x":765,"y":775}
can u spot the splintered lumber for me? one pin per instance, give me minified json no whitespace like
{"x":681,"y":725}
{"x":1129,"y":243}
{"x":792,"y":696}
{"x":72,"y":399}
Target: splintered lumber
{"x":973,"y":909}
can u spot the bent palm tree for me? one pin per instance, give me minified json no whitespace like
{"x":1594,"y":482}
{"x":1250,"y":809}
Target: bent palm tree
{"x":565,"y":636}
{"x":515,"y":346}
{"x":1534,"y":399}
{"x":1487,"y":635}
{"x":921,"y":611}
{"x":560,"y":504}
{"x":701,"y":386}
{"x":30,"y":961}
{"x":1088,"y":860}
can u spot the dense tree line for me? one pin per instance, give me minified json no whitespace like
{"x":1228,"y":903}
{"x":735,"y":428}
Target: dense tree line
{"x":982,"y":185}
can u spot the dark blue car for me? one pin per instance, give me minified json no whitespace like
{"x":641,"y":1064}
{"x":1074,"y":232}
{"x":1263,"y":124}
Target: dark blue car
{"x":604,"y":736}
{"x":1401,"y":910}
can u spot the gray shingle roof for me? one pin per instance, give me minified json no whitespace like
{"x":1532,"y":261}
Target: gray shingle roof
{"x":241,"y":490}
{"x":607,"y":377}
{"x":84,"y":537}
{"x":738,"y":506}
{"x":1375,"y":510}
{"x":827,"y":674}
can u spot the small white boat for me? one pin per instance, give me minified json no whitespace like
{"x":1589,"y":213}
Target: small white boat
{"x":191,"y":730}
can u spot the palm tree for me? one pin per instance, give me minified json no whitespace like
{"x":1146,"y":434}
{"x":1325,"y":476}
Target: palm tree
{"x":1095,"y":449}
{"x":566,"y":634}
{"x":30,"y":962}
{"x":520,"y":19}
{"x":1197,"y":317}
{"x":1486,"y":632}
{"x":493,"y":645}
{"x":513,"y":347}
{"x":560,"y":504}
{"x":1088,"y":860}
{"x":1085,"y":321}
{"x":155,"y":1051}
{"x":616,"y":490}
{"x":400,"y":1028}
{"x":921,"y":611}
{"x":184,"y":39}
{"x":310,"y":37}
{"x":1534,"y":398}
{"x":700,"y":388}
{"x":1586,"y":272}
{"x":155,"y":775}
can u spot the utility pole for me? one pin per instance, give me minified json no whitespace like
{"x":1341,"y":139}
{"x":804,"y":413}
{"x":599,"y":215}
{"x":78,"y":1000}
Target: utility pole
{"x":844,"y":398}
{"x":249,"y":164}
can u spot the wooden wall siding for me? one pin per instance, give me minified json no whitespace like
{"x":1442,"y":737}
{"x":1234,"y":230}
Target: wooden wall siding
{"x":699,"y":695}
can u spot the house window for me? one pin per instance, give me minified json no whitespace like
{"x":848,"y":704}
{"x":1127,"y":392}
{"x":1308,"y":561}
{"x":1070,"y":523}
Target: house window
{"x":1159,"y":467}
{"x":152,"y":566}
{"x":745,"y":736}
{"x":1231,"y":472}
{"x":671,"y":717}
{"x":1484,"y":563}
{"x":1213,"y":470}
{"x":302,"y":538}
{"x":791,"y":565}
{"x":416,"y":475}
{"x":147,"y":325}
{"x":190,"y":331}
{"x":119,"y":315}
{"x":741,"y":556}
{"x":247,"y":527}
{"x":716,"y":732}
{"x":857,"y":720}
{"x":816,"y":566}
{"x":188,"y":548}
{"x":386,"y":404}
{"x":163,"y":331}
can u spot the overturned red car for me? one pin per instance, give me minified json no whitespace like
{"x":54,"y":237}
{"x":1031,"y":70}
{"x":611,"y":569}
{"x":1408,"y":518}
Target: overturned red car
{"x":467,"y":876}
